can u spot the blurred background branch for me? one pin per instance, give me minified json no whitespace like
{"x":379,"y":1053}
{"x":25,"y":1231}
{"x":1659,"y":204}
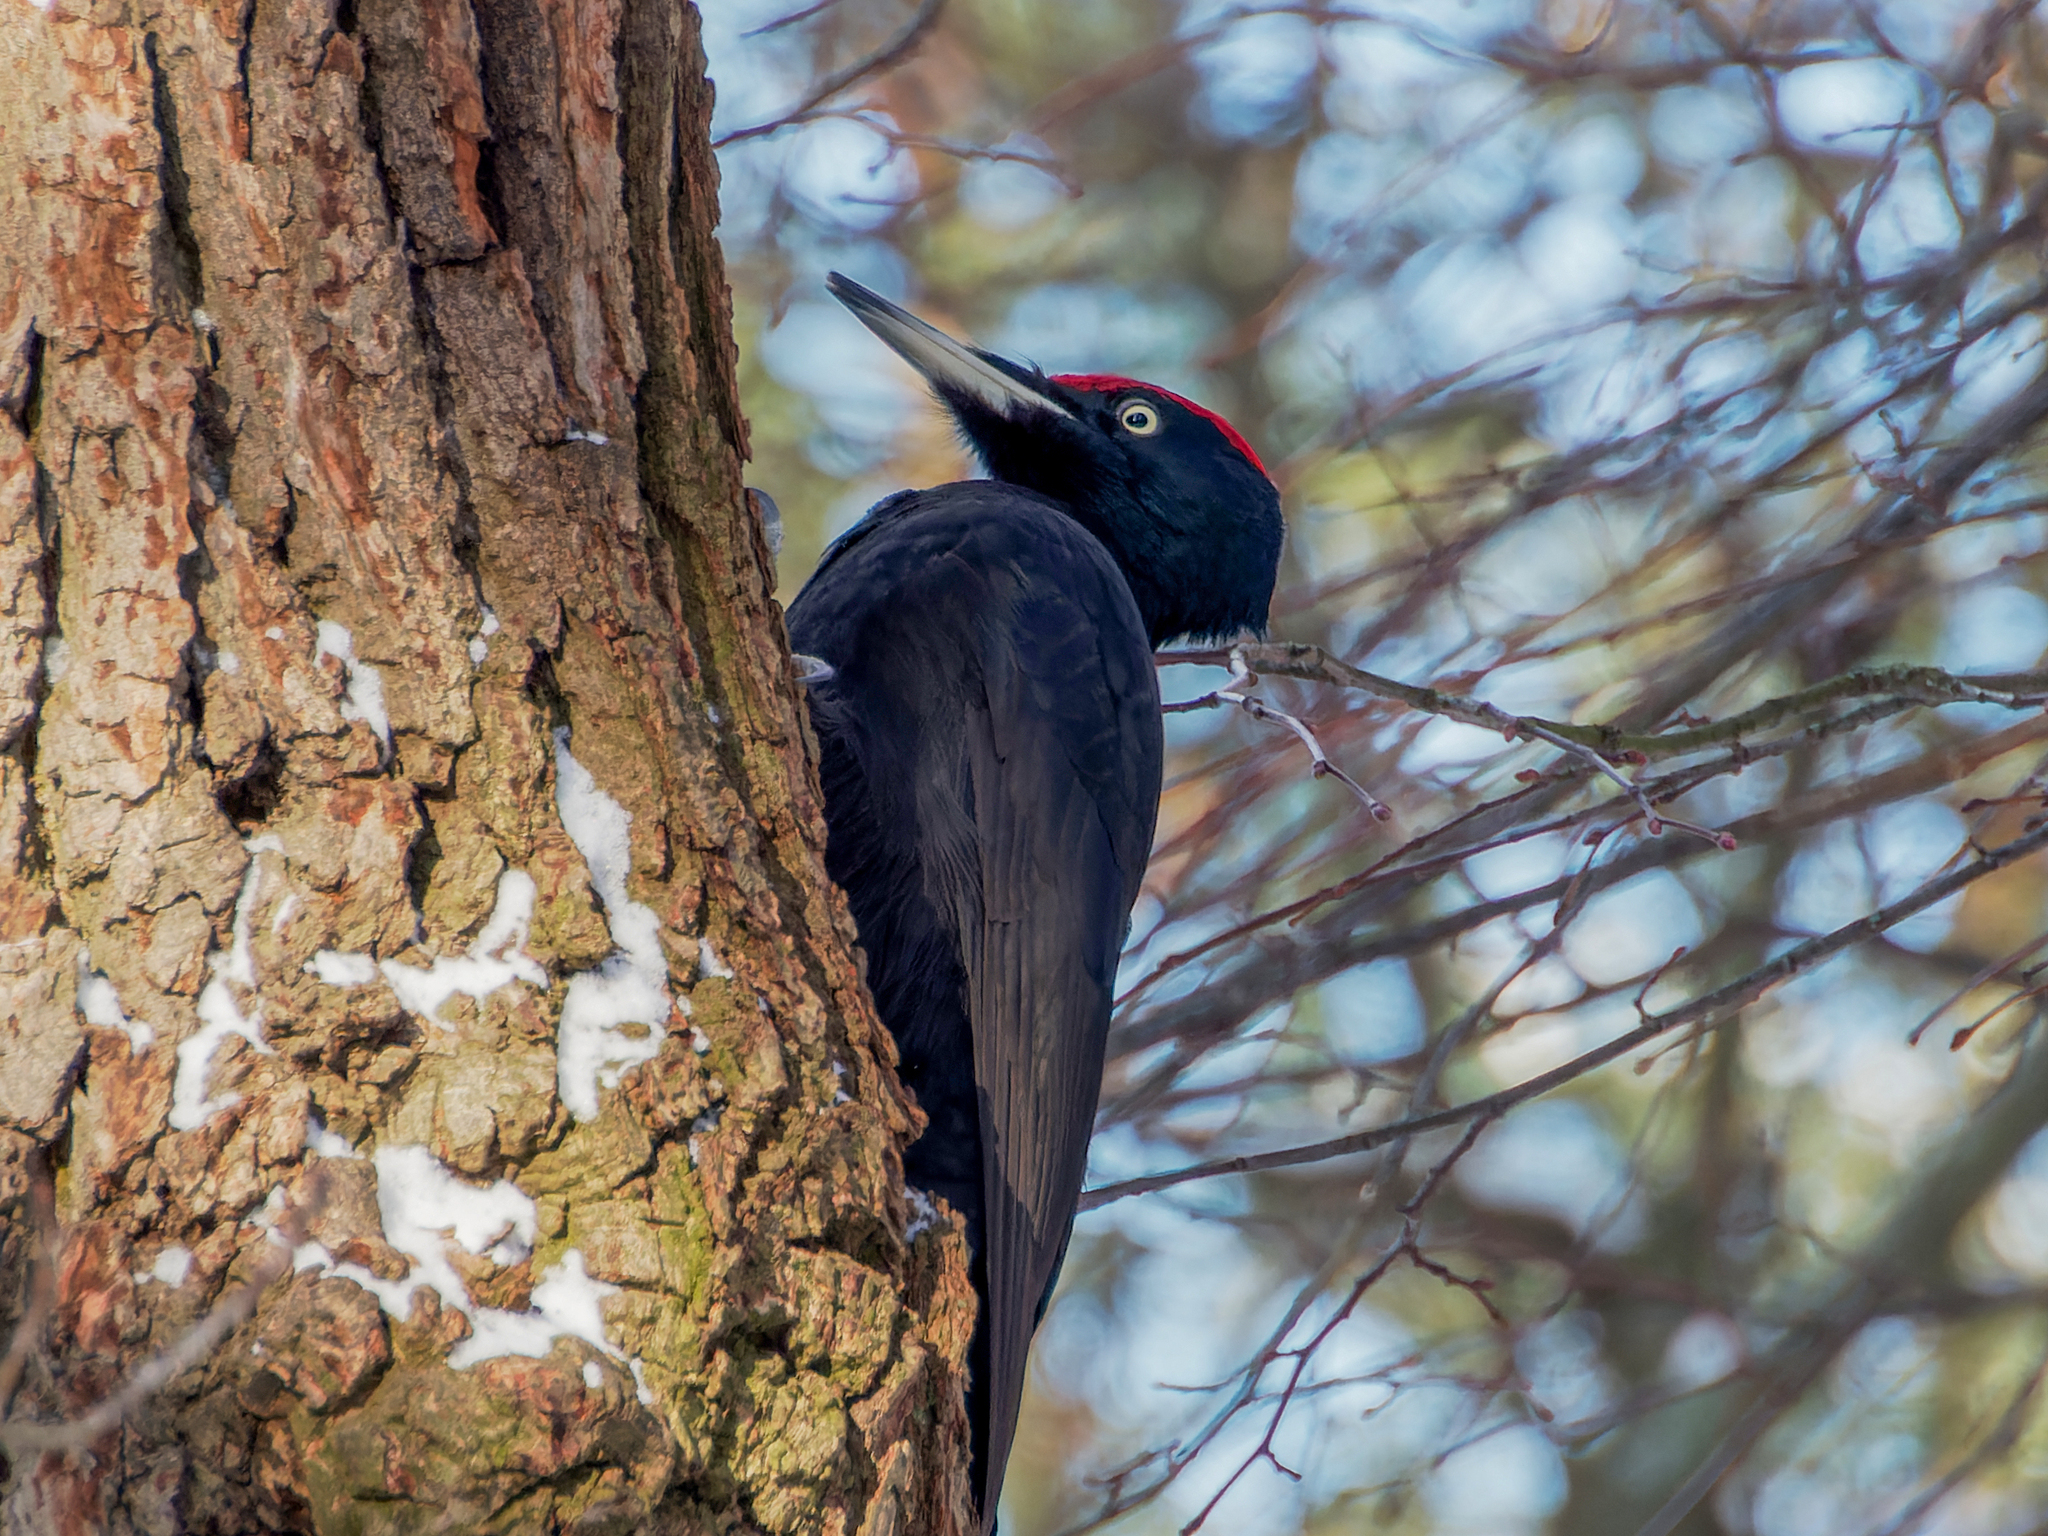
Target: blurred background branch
{"x":1657,"y":390}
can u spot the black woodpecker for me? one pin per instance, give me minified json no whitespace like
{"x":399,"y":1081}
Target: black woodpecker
{"x":991,"y":745}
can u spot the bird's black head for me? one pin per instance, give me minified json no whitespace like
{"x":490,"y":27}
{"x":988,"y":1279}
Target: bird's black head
{"x":1172,"y":490}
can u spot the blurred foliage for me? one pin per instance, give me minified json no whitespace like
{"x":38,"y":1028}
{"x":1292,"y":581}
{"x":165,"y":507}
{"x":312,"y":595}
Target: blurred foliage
{"x":1629,"y":364}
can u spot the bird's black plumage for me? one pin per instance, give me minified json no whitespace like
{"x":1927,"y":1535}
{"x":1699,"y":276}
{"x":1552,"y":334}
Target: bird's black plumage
{"x":990,"y":752}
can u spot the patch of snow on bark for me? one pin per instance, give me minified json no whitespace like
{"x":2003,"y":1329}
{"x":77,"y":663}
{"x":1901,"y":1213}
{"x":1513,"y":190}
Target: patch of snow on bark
{"x":709,"y":963}
{"x":363,"y":697}
{"x":923,"y":1214}
{"x":630,"y":989}
{"x":424,"y":1207}
{"x":479,"y":643}
{"x":171,"y":1267}
{"x":497,"y":958}
{"x":340,"y":969}
{"x":219,"y":1014}
{"x":101,"y":1005}
{"x":325,"y":1142}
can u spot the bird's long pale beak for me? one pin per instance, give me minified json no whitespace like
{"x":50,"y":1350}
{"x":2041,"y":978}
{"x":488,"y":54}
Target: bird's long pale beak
{"x":948,"y":364}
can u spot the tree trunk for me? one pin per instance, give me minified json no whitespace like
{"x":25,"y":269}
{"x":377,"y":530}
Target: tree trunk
{"x":406,"y":819}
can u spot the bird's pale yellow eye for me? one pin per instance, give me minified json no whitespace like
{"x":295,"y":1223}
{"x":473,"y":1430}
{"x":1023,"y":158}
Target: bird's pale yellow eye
{"x":1140,"y":418}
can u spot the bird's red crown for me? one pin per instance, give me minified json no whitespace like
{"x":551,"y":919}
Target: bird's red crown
{"x":1115,"y":383}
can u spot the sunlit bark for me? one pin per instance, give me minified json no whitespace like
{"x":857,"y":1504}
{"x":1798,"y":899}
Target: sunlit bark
{"x":370,"y":472}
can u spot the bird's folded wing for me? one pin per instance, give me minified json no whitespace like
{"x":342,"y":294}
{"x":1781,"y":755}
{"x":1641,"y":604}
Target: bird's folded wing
{"x":995,"y":704}
{"x":1064,"y":763}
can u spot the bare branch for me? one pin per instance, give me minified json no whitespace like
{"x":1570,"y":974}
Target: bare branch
{"x":1705,"y":1012}
{"x":1928,"y":686}
{"x":891,"y":53}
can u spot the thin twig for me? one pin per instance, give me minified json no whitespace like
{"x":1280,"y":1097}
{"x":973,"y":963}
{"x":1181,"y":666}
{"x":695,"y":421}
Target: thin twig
{"x":194,"y":1346}
{"x":1407,"y":1245}
{"x":1714,"y":1008}
{"x":1232,"y":692}
{"x":794,"y":18}
{"x":891,"y":53}
{"x":1654,"y":821}
{"x":2003,"y":1436}
{"x":1994,"y":969}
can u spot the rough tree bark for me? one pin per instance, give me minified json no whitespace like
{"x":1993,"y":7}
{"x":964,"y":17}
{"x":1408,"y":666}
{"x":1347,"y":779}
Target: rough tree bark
{"x":369,"y":460}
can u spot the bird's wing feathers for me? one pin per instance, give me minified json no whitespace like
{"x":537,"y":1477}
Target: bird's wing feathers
{"x":1062,"y":752}
{"x":1063,"y":830}
{"x":1037,"y":770}
{"x":1022,"y":717}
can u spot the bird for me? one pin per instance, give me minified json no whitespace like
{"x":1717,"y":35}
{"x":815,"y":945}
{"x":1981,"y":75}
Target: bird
{"x":987,"y":713}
